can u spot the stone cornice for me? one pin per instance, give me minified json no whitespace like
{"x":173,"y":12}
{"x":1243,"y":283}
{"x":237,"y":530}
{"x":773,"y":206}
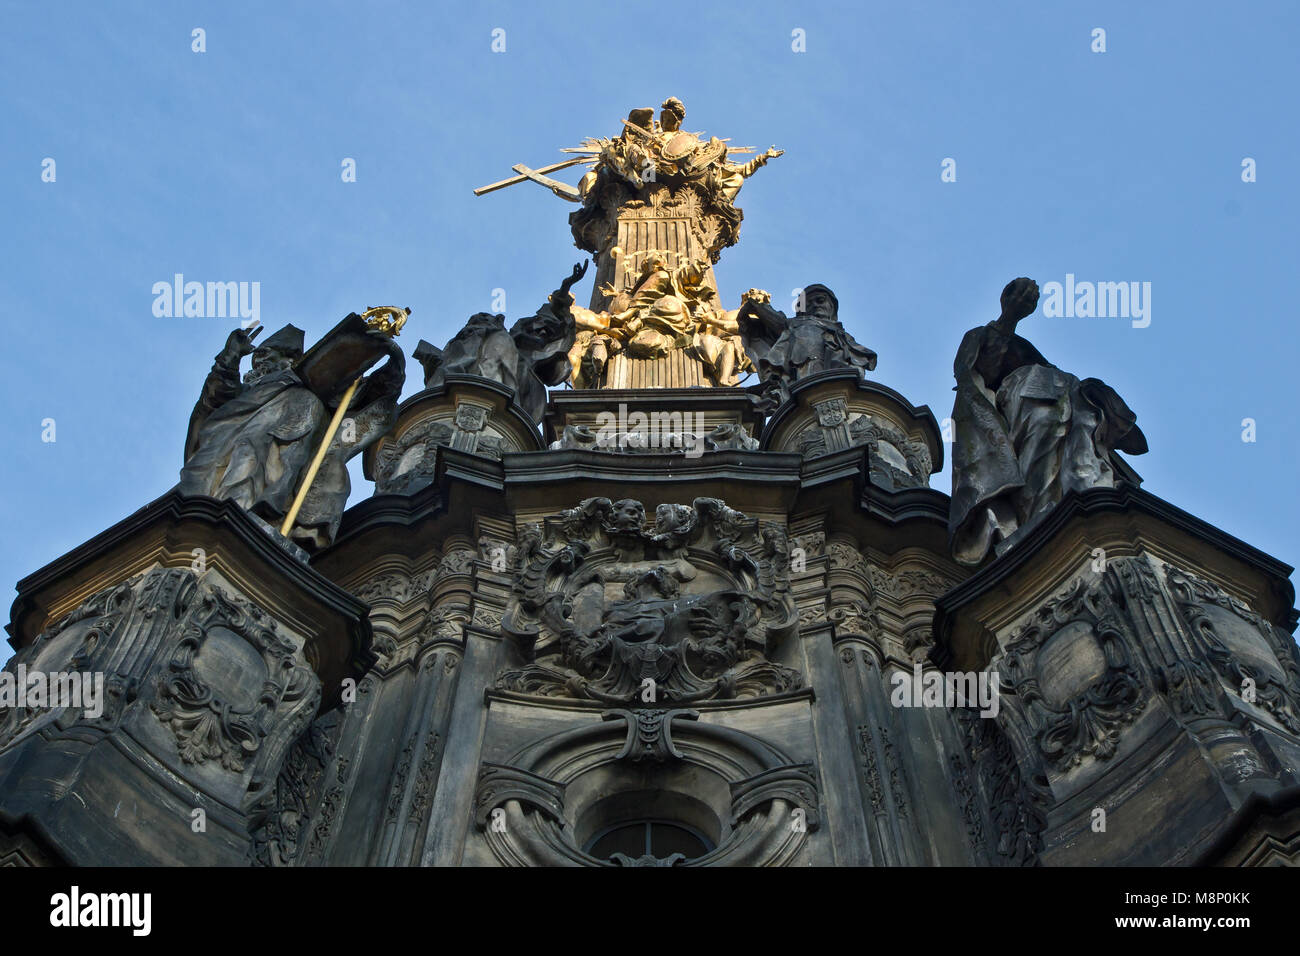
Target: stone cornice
{"x":738,"y":466}
{"x":1126,"y":500}
{"x":151,"y":535}
{"x":734,"y":403}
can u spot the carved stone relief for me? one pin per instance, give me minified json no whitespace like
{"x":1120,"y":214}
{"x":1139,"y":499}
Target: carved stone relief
{"x":1017,"y":798}
{"x":687,"y":609}
{"x":213,"y":718}
{"x":1071,"y":671}
{"x":281,"y":829}
{"x":897,"y":461}
{"x":725,"y":437}
{"x":405,"y":464}
{"x":535,"y":809}
{"x":1254,"y":658}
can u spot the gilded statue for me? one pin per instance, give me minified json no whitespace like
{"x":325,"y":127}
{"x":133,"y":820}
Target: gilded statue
{"x":657,"y":206}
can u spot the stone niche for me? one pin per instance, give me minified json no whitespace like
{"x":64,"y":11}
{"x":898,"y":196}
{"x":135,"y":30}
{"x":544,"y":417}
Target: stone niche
{"x":467,"y":413}
{"x":838,"y":409}
{"x":215,"y":647}
{"x":1150,"y":684}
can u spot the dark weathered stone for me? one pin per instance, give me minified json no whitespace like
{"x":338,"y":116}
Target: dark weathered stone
{"x":252,"y":442}
{"x":785,"y":350}
{"x":1026,"y":432}
{"x":524,"y":650}
{"x":531,"y":356}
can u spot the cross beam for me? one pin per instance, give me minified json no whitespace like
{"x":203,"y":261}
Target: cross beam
{"x":536,"y":175}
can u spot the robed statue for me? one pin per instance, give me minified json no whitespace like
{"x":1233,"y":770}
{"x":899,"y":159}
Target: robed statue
{"x":252,"y":441}
{"x":533,"y":354}
{"x":784,"y":350}
{"x":1026,"y":433}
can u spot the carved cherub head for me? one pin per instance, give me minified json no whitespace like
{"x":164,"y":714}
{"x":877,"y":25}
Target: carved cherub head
{"x":670,"y":517}
{"x":627,"y":516}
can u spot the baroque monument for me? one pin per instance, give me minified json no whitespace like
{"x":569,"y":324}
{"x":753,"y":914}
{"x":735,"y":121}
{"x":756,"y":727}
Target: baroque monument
{"x":655,"y":581}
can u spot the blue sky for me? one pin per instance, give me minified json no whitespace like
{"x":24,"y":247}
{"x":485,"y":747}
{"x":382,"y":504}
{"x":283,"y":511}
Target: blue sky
{"x":225,"y":166}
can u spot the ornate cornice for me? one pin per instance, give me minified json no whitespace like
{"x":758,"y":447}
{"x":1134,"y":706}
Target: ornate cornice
{"x":1093,"y":503}
{"x":27,"y":619}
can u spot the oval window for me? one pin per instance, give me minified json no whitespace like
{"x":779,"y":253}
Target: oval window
{"x":659,"y":839}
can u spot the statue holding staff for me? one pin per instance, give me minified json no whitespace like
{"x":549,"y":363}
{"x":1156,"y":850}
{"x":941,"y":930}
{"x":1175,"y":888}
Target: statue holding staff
{"x":256,"y":441}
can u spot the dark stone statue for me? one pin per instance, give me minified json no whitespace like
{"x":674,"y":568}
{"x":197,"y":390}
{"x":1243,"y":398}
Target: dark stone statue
{"x":1025,"y":431}
{"x":784,"y":350}
{"x":528,"y":358}
{"x":252,"y":441}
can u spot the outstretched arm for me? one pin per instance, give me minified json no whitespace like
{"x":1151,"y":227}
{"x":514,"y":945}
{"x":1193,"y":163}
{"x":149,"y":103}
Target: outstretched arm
{"x":386,"y":381}
{"x":987,"y":351}
{"x":375,"y":409}
{"x":552,"y":329}
{"x":759,"y":161}
{"x":545,"y":339}
{"x":759,"y":321}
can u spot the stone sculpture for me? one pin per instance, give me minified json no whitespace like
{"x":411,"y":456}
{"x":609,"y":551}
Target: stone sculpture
{"x":252,"y":441}
{"x":606,"y":608}
{"x":528,"y":358}
{"x":1026,"y":432}
{"x":784,"y":350}
{"x":657,"y":207}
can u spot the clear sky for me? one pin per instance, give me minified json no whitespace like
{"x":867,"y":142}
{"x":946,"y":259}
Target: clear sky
{"x":225,"y":165}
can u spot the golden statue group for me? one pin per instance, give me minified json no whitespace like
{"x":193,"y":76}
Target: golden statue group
{"x":657,"y":208}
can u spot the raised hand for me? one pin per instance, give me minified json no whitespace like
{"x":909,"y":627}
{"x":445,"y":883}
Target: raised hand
{"x":579,"y":271}
{"x":240,"y":343}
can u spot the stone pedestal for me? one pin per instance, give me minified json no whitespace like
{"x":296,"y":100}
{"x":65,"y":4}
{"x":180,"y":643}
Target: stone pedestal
{"x":838,"y":409}
{"x":467,"y":413}
{"x":1150,"y":686}
{"x":214,"y":648}
{"x":666,"y":420}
